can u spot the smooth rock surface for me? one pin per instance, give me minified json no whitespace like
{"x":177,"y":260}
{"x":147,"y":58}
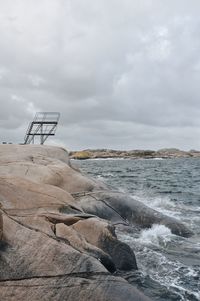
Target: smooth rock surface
{"x":50,"y":247}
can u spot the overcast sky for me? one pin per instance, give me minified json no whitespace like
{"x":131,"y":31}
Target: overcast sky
{"x":124,"y":74}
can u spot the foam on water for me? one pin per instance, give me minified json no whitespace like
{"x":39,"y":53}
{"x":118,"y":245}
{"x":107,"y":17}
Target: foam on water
{"x":156,"y":235}
{"x":99,"y":177}
{"x":154,"y":263}
{"x":161,"y":204}
{"x":153,"y":201}
{"x":159,"y":261}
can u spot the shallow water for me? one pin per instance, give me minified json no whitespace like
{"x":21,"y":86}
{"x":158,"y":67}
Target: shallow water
{"x":169,"y":265}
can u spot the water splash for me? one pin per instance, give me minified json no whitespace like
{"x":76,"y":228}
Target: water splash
{"x":156,"y":235}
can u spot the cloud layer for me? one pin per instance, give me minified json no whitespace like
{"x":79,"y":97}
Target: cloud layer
{"x":123,"y":74}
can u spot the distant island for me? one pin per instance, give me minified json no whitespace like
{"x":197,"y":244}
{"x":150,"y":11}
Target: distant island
{"x":133,"y":154}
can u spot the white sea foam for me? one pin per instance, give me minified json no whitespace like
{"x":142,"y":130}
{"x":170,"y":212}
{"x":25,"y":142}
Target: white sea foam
{"x":155,"y":235}
{"x":161,"y":204}
{"x":185,"y":291}
{"x":168,"y":273}
{"x":192,"y":208}
{"x":99,"y":177}
{"x":191,"y":272}
{"x":120,"y":189}
{"x":155,"y":202}
{"x":109,"y":175}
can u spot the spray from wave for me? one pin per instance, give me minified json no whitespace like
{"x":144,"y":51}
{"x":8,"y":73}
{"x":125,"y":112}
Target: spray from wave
{"x":156,"y":235}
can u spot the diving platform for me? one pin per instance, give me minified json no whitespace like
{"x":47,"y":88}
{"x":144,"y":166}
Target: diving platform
{"x":43,"y":125}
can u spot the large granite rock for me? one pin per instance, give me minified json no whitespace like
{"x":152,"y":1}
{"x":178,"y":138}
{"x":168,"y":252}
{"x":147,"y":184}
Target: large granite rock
{"x":57,"y":234}
{"x":50,"y":249}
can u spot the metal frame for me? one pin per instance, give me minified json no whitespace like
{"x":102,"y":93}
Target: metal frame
{"x":43,"y":125}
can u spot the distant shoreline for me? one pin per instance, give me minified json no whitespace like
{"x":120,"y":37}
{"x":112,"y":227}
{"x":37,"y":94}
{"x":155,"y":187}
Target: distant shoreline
{"x":133,"y":154}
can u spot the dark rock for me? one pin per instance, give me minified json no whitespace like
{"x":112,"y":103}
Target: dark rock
{"x":121,"y":254}
{"x":119,"y":207}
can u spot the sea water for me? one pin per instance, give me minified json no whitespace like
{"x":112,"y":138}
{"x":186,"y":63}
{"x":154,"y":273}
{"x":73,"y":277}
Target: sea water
{"x":169,"y":265}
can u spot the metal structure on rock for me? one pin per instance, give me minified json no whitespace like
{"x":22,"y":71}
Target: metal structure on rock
{"x":43,"y":125}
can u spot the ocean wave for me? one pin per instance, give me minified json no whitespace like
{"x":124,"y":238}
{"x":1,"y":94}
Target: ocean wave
{"x":99,"y":177}
{"x":170,"y":274}
{"x":158,"y":262}
{"x":162,"y":204}
{"x":156,"y":235}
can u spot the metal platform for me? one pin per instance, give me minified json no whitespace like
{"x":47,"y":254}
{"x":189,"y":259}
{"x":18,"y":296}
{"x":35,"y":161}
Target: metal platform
{"x":43,"y":125}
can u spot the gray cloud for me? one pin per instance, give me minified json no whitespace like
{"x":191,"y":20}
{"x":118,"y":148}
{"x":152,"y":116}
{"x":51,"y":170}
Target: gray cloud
{"x":123,"y":74}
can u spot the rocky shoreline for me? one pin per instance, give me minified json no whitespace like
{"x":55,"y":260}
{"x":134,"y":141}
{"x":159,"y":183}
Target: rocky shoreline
{"x":133,"y":154}
{"x":57,"y":230}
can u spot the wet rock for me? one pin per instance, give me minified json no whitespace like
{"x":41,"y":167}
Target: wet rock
{"x":120,"y":208}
